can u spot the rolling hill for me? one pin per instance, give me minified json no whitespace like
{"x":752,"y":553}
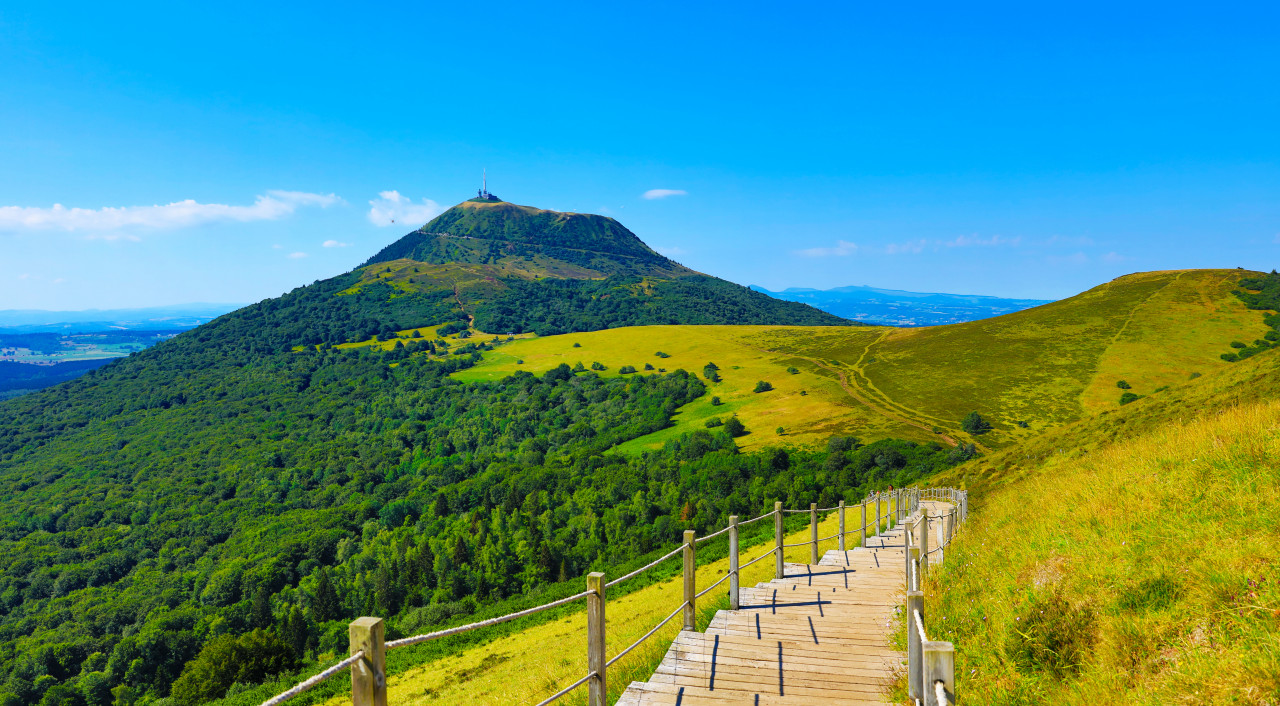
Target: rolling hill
{"x":512,"y":268}
{"x":1046,"y":366}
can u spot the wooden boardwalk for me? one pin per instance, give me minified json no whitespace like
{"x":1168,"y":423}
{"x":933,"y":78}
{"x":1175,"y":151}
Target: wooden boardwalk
{"x":817,"y":636}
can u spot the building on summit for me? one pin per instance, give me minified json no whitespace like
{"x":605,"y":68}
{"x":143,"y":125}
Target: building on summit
{"x":482,"y":194}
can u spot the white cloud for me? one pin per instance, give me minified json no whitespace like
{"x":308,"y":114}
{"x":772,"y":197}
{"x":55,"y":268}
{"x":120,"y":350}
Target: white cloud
{"x":966,"y":241}
{"x":1113,"y":257}
{"x":673,"y":250}
{"x":179,"y":214}
{"x":391,"y":208}
{"x":912,"y":247}
{"x":652,"y":194}
{"x":335,"y":244}
{"x":841,"y":249}
{"x":297,"y":255}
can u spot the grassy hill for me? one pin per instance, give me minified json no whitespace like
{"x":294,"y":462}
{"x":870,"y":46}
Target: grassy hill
{"x":1046,"y":366}
{"x":514,"y":268}
{"x":1127,"y":557}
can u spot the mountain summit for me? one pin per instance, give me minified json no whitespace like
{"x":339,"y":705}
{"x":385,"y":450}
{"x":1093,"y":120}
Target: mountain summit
{"x":489,"y":231}
{"x":511,"y":268}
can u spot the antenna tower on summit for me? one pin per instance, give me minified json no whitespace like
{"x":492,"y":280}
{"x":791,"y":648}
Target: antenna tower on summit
{"x":483,"y":192}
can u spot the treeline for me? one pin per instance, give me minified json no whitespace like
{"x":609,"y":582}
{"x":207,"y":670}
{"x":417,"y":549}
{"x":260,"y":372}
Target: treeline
{"x":550,"y":307}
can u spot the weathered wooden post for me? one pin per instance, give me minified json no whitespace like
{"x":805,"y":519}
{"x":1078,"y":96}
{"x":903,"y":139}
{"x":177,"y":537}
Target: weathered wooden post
{"x":733,"y":562}
{"x":877,"y":513}
{"x":597,"y":686}
{"x":813,"y":533}
{"x":915,"y":656}
{"x":939,"y":666}
{"x":369,"y":675}
{"x":840,"y":510}
{"x":909,"y":550}
{"x":690,"y":586}
{"x":777,"y":539}
{"x":924,"y":543}
{"x":863,"y":505}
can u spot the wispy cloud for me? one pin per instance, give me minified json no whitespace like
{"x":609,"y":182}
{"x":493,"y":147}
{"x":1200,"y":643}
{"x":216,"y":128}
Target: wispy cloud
{"x":297,"y":255}
{"x":1114,"y":257}
{"x":652,"y":194}
{"x":335,"y":244}
{"x":391,"y":208}
{"x":673,"y":250}
{"x":969,"y":241}
{"x":179,"y":214}
{"x":841,"y":249}
{"x":911,"y":247}
{"x":1078,"y":258}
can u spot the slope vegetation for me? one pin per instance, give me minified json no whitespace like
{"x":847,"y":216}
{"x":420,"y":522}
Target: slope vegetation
{"x":1128,"y":557}
{"x":1044,"y":367}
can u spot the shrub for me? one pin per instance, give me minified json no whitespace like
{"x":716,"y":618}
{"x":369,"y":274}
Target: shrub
{"x":793,"y":371}
{"x":1023,"y":424}
{"x":781,"y":431}
{"x":1238,"y":344}
{"x":660,"y":354}
{"x":763,"y":386}
{"x":1229,"y":357}
{"x":597,"y":365}
{"x":228,"y":659}
{"x":1051,"y":636}
{"x":1123,"y":385}
{"x":579,"y":368}
{"x":648,"y":366}
{"x":734,"y":427}
{"x":715,"y":402}
{"x":975,"y":424}
{"x":627,"y":369}
{"x":1128,"y":397}
{"x":714,"y":422}
{"x":577,"y":345}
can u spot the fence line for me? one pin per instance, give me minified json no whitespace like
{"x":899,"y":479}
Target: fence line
{"x":930,"y":663}
{"x":367,"y":660}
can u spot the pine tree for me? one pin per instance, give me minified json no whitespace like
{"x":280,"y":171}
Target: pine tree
{"x":327,"y":606}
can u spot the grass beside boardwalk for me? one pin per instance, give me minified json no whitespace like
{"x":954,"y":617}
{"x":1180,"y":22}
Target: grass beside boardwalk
{"x":1141,"y":571}
{"x":528,"y":666}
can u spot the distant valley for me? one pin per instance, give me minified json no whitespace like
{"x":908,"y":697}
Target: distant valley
{"x":892,"y":307}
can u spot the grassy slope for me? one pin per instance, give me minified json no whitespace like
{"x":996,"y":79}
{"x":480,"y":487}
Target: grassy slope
{"x":528,"y":666}
{"x":810,"y":418}
{"x":1152,"y":549}
{"x":1048,"y":366}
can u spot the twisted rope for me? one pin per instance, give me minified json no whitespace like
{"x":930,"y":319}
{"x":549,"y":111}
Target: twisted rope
{"x":309,"y":683}
{"x":647,"y":635}
{"x":567,"y":689}
{"x":405,"y":642}
{"x":646,"y":567}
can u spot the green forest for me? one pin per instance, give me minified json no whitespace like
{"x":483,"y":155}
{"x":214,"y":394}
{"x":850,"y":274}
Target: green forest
{"x":216,"y":508}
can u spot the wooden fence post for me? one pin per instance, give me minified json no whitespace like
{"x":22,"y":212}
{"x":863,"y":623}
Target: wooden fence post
{"x":690,"y":586}
{"x":863,"y":505}
{"x":877,"y":513}
{"x":911,"y":552}
{"x":733,"y":562}
{"x":597,"y":686}
{"x":840,"y":510}
{"x":813,"y":533}
{"x":777,"y":539}
{"x":924,"y":544}
{"x":915,"y":657}
{"x":939,"y":666}
{"x":369,"y":675}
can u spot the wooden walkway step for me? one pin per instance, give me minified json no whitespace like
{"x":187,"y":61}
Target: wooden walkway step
{"x":819,"y":635}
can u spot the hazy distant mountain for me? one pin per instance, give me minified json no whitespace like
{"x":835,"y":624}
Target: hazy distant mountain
{"x":178,"y":316}
{"x":892,"y":307}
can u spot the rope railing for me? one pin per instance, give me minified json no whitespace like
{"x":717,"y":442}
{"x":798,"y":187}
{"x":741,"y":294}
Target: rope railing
{"x":930,"y":664}
{"x":368,"y":647}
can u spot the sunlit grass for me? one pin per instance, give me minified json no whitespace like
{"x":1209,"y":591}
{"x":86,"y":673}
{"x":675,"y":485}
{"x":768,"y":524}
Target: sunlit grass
{"x":528,"y":666}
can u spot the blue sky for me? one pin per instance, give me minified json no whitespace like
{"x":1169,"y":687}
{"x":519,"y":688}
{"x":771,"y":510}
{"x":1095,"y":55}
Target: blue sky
{"x":231,"y":153}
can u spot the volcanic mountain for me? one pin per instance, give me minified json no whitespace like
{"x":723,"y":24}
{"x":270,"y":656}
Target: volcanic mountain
{"x":512,"y":268}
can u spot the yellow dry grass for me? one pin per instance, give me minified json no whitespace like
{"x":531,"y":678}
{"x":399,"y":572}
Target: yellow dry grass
{"x":528,"y":666}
